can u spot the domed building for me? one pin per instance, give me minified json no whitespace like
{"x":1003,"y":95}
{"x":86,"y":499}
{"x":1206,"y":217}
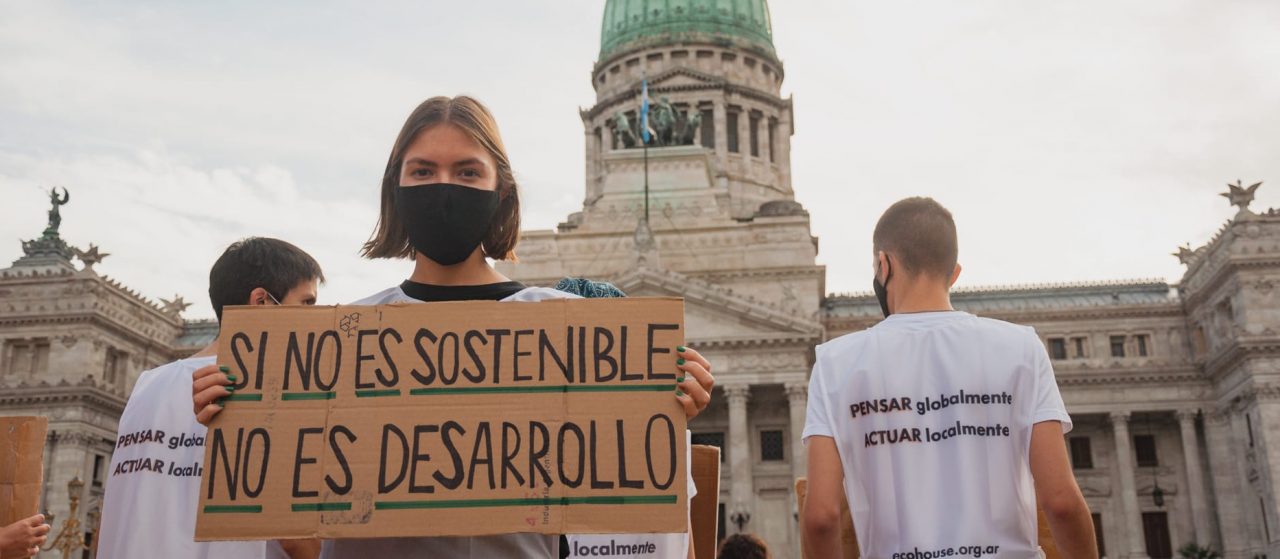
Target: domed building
{"x":723,"y":229}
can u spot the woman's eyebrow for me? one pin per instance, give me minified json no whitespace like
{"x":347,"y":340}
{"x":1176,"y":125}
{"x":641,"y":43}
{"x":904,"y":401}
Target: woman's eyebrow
{"x":470,"y":161}
{"x":420,"y":161}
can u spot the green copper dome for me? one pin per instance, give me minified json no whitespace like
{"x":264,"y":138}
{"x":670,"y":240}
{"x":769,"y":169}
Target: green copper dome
{"x":629,"y":23}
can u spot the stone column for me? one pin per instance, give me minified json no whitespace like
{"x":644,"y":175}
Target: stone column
{"x":1195,"y":478}
{"x":1223,"y":460}
{"x":742,"y":494}
{"x":719,"y":112}
{"x":1134,"y":541}
{"x":798,"y":401}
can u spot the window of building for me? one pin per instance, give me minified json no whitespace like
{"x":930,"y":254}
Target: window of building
{"x":18,"y":354}
{"x":97,"y":470}
{"x":1117,"y":346}
{"x":1097,"y":532}
{"x":40,"y":356}
{"x":1248,"y":425}
{"x":1057,"y":349}
{"x":731,"y":130}
{"x":1155,"y":529}
{"x":1081,"y":453}
{"x":1198,"y":342}
{"x":114,"y":363}
{"x":1144,"y":447}
{"x":1079,"y":345}
{"x":708,"y":131}
{"x":715,"y":439}
{"x":721,"y":534}
{"x":771,"y":448}
{"x":753,"y":132}
{"x":1141,"y":340}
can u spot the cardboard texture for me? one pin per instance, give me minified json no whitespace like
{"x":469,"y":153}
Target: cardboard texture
{"x":448,"y":419}
{"x":705,"y":511}
{"x":850,"y":539}
{"x":21,"y":466}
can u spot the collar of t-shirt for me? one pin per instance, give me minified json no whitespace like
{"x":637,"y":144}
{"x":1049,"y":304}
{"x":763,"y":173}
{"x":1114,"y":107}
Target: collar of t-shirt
{"x":436,"y":293}
{"x":926,"y":319}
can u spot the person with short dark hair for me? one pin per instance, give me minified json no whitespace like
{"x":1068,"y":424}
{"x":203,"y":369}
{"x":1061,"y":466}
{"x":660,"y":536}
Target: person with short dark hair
{"x":941,"y":428}
{"x":743,"y":546}
{"x":153,"y":485}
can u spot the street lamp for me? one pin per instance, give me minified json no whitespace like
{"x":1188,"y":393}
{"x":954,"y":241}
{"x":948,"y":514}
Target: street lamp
{"x":71,"y":538}
{"x":740,"y":518}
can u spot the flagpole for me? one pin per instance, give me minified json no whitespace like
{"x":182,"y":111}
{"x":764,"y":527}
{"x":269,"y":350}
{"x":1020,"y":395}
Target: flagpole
{"x":644,"y":140}
{"x":646,"y":183}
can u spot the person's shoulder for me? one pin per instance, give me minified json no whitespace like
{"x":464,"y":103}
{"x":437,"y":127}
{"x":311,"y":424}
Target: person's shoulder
{"x":843,"y":344}
{"x":391,"y":294}
{"x":540,"y":294}
{"x":159,"y":384}
{"x":1004,"y":328}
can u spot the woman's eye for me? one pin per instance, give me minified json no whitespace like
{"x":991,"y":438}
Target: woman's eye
{"x":421,"y":173}
{"x":470,"y":173}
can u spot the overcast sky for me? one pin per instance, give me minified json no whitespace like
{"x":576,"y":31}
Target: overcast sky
{"x":1074,"y":141}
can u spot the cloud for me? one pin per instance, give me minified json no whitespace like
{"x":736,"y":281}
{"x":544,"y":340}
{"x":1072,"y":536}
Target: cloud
{"x":166,"y":221}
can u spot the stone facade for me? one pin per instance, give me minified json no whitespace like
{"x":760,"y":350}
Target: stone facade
{"x":72,"y":344}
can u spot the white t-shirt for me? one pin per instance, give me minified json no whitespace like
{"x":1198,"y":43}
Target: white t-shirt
{"x":932,"y":416}
{"x":153,"y":486}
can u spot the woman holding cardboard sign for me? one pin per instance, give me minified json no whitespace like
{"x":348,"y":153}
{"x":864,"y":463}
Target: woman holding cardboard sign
{"x":449,"y":201}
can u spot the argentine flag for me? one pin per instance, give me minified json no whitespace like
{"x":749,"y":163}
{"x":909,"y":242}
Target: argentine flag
{"x":644,"y":110}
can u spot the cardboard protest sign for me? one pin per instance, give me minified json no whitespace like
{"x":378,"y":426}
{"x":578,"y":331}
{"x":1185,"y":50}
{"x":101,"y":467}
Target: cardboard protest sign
{"x":21,"y":466}
{"x":448,"y":419}
{"x":705,"y":464}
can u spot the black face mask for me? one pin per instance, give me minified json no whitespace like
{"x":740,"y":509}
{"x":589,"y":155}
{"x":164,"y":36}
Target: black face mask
{"x":445,"y":222}
{"x":882,"y":289}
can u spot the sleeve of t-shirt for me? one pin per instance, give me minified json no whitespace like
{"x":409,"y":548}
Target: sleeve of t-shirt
{"x":817,"y":420}
{"x":1048,"y":406}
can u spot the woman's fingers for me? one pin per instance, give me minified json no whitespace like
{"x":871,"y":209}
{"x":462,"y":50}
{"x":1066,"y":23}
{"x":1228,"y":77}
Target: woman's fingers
{"x":696,"y":382}
{"x":703,"y":374}
{"x":205,"y":415}
{"x":208,"y":385}
{"x":690,"y":409}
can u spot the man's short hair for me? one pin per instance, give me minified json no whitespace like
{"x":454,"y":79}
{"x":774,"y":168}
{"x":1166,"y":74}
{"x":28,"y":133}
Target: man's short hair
{"x":921,"y":234}
{"x":743,"y":546}
{"x":272,"y":264}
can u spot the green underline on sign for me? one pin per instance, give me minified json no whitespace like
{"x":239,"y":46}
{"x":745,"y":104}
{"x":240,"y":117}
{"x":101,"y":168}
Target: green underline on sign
{"x":377,"y":393}
{"x":243,"y":398}
{"x":213,"y":509}
{"x":543,"y":389}
{"x":308,"y":395}
{"x":564,"y":501}
{"x":315,"y":507}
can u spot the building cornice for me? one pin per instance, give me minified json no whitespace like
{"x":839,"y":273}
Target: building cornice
{"x":86,"y":393}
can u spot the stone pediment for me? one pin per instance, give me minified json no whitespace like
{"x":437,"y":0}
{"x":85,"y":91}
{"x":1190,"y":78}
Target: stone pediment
{"x":677,"y":78}
{"x":713,"y":311}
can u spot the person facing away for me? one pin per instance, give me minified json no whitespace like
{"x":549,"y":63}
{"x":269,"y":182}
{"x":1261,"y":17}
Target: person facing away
{"x":941,"y":428}
{"x":152,"y":492}
{"x":449,"y":202}
{"x":743,"y":546}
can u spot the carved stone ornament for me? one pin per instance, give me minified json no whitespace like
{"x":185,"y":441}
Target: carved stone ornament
{"x":1241,"y":196}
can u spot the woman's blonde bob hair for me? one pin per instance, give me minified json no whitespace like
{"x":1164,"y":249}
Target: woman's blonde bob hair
{"x":389,"y":238}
